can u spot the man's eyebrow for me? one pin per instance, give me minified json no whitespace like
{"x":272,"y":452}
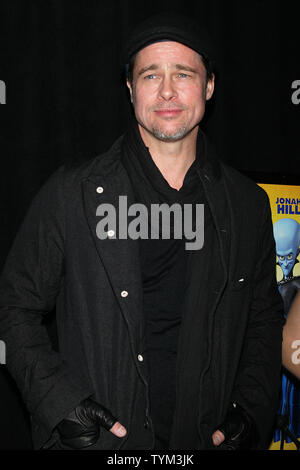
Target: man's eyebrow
{"x":185,"y":67}
{"x":148,"y":67}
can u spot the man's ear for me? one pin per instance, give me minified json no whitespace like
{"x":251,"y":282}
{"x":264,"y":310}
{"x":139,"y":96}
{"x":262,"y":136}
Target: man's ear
{"x":130,"y":89}
{"x":210,"y":86}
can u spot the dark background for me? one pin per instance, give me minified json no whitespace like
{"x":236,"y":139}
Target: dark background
{"x":66,"y":100}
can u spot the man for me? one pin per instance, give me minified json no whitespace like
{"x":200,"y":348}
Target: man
{"x":160,"y":347}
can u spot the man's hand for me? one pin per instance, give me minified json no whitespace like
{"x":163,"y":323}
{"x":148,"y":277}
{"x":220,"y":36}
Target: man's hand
{"x":237,"y":432}
{"x":81,"y":427}
{"x":218,"y":437}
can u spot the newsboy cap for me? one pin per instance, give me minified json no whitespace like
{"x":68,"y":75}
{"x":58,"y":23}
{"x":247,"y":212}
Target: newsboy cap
{"x":169,"y":26}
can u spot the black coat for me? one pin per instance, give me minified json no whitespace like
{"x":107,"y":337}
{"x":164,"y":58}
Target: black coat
{"x":58,"y":260}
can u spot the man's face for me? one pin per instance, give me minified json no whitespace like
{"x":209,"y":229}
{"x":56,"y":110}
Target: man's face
{"x":169,"y":90}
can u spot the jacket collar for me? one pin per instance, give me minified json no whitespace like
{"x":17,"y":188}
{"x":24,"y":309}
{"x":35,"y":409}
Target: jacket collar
{"x":111,"y":160}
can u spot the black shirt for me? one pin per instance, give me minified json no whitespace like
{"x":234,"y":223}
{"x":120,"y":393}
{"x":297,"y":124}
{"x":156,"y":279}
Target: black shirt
{"x":163,"y":265}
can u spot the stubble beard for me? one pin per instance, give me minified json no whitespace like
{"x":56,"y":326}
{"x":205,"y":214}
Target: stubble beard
{"x":169,"y":137}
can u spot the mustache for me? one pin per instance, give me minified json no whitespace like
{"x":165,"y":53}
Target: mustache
{"x":170,"y":106}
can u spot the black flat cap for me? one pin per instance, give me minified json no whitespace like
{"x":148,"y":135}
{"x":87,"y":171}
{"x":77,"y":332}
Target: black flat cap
{"x":170,"y":26}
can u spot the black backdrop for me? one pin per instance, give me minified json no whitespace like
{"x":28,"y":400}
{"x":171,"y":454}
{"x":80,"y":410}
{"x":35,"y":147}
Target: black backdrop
{"x":65,"y":99}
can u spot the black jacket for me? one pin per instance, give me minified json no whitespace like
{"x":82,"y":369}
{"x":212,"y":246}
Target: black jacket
{"x":58,"y":260}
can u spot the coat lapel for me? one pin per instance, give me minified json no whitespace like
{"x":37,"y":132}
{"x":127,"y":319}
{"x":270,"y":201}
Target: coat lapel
{"x":216,"y":198}
{"x":120,"y":257}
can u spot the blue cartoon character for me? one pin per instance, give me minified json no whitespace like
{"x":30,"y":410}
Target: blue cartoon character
{"x":287,"y":239}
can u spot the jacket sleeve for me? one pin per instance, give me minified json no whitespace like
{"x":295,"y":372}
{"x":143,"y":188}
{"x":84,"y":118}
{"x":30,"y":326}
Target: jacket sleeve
{"x":258,"y":380}
{"x":29,"y":285}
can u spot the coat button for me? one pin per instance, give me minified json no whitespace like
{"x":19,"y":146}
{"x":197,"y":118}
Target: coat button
{"x":140,"y":358}
{"x":146,"y":423}
{"x":99,"y":189}
{"x":124,"y":293}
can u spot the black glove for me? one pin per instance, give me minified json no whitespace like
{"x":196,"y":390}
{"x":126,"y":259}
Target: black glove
{"x":238,"y":429}
{"x":81,"y":428}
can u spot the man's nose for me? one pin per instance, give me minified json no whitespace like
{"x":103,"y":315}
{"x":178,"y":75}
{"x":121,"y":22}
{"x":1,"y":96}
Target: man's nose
{"x":167,"y":89}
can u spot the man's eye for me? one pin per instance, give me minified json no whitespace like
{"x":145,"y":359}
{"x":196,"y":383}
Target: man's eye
{"x":281,"y":258}
{"x":150,"y":77}
{"x":290,"y":256}
{"x":183,"y":75}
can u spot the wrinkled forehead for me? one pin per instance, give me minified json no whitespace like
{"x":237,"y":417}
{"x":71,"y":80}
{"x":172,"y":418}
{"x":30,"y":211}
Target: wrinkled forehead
{"x":167,"y":53}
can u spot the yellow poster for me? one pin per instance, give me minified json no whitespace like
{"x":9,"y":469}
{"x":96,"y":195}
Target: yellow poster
{"x":285,"y":206}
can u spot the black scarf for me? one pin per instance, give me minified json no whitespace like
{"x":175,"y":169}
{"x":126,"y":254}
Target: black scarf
{"x":171,"y":278}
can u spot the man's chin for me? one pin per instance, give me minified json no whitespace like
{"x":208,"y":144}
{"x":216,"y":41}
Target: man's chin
{"x":169,"y":136}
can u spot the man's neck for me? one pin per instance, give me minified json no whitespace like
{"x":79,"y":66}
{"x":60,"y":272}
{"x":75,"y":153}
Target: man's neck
{"x":173,"y":159}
